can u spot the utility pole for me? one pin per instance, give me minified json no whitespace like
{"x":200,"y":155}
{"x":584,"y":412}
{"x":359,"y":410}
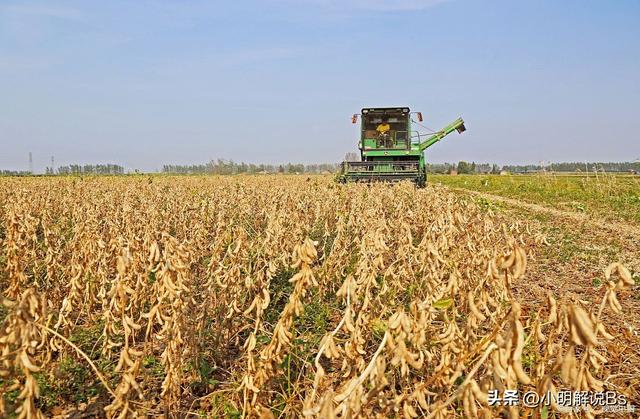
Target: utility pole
{"x":30,"y":163}
{"x":53,"y":170}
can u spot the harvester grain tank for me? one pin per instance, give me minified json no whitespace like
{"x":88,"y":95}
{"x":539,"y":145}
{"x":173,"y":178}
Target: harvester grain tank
{"x":390,"y":150}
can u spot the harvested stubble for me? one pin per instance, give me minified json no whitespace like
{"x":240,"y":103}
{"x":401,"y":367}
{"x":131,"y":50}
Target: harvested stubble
{"x":280,"y":296}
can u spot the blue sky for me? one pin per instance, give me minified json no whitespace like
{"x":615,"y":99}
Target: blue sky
{"x":149,"y":82}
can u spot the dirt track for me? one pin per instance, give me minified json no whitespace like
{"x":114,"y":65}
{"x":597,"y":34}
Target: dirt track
{"x":593,"y":245}
{"x":572,"y":267}
{"x":623,"y":229}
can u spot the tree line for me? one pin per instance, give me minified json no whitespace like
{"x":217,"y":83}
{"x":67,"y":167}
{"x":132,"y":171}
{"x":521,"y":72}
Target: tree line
{"x":579,"y":167}
{"x":229,"y":167}
{"x":87,"y":169}
{"x":14,"y":173}
{"x":464,"y":167}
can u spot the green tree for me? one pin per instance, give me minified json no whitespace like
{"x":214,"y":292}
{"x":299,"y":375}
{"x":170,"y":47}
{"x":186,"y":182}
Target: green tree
{"x":464,"y":167}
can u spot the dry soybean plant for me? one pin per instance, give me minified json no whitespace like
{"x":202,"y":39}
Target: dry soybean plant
{"x":273,"y":296}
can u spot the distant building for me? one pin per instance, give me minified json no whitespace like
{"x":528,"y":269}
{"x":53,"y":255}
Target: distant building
{"x":453,"y":172}
{"x":503,"y":173}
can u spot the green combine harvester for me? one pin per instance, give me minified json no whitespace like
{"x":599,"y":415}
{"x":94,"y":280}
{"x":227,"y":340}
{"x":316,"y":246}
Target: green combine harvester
{"x":390,"y":151}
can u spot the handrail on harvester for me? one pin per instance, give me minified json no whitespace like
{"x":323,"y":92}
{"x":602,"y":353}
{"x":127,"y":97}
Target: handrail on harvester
{"x":457,"y":125}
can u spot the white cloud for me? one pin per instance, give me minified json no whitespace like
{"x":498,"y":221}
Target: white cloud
{"x":33,"y":23}
{"x":43,"y":10}
{"x":374,"y":5}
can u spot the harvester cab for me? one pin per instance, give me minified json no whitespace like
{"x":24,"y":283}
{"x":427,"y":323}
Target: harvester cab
{"x":389,"y":149}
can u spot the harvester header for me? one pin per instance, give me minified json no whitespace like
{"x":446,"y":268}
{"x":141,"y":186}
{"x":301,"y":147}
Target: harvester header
{"x":389,"y":149}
